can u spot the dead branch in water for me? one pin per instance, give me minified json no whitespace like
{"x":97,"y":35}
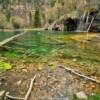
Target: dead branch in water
{"x":7,"y":95}
{"x":80,"y":75}
{"x":11,"y":38}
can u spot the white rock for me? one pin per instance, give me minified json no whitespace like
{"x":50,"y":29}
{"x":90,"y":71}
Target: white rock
{"x":2,"y":93}
{"x":81,"y":95}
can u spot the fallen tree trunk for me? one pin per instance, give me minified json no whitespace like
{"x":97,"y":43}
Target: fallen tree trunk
{"x":11,"y":38}
{"x":22,"y":44}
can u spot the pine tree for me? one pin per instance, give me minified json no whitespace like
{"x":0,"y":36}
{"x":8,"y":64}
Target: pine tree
{"x":8,"y":15}
{"x":30,"y":18}
{"x":37,"y":18}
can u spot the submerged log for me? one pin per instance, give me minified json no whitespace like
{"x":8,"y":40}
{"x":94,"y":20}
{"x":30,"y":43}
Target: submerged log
{"x":11,"y":38}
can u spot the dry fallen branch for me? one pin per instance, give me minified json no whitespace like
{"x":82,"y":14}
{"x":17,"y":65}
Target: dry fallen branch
{"x":81,"y":75}
{"x":12,"y":97}
{"x":7,"y":95}
{"x":30,"y":88}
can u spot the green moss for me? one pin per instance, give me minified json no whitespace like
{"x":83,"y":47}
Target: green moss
{"x":5,"y":66}
{"x":10,"y":55}
{"x":94,"y":97}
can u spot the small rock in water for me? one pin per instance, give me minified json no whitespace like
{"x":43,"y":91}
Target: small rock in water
{"x":2,"y":94}
{"x":74,"y":59}
{"x":81,"y":95}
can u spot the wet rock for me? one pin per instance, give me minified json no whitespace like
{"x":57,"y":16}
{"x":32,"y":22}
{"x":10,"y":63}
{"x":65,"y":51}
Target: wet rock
{"x":81,"y":95}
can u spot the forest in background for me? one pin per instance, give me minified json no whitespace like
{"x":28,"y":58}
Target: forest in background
{"x":16,"y":14}
{"x":54,"y":54}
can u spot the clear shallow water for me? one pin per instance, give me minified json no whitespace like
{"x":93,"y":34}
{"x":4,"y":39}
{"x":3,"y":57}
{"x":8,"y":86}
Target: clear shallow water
{"x":43,"y":44}
{"x":36,"y":43}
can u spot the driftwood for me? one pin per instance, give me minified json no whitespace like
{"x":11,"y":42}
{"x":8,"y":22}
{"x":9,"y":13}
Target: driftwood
{"x":30,"y":88}
{"x":12,"y":97}
{"x":7,"y":95}
{"x":80,"y":75}
{"x":11,"y":38}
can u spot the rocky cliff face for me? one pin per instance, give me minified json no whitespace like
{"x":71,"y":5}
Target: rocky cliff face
{"x":96,"y":23}
{"x":88,"y":22}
